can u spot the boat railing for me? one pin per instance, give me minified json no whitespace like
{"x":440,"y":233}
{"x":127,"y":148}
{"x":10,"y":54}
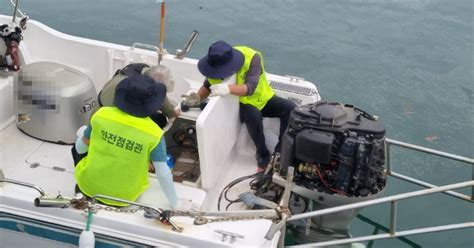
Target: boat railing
{"x":16,"y":11}
{"x":3,"y":179}
{"x":431,"y":189}
{"x":180,"y":53}
{"x":144,"y":46}
{"x":389,"y":143}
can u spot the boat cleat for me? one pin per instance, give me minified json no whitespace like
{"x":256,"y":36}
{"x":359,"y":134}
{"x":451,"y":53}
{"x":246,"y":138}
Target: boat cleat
{"x":233,"y":236}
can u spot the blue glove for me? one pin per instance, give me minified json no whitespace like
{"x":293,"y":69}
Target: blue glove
{"x":165,"y":178}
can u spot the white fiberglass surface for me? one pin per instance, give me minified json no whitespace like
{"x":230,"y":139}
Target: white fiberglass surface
{"x":50,"y":166}
{"x":6,"y":100}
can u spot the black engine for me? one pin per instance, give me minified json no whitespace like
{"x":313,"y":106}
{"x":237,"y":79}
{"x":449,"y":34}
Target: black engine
{"x":335,"y":148}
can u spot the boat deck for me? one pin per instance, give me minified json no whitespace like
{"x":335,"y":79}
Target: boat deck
{"x":50,"y":166}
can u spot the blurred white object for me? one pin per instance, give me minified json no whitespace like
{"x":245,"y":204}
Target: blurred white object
{"x":87,"y":239}
{"x":162,"y":74}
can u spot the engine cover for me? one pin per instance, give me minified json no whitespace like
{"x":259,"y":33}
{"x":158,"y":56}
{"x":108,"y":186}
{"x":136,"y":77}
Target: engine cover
{"x":335,"y":148}
{"x":53,"y":101}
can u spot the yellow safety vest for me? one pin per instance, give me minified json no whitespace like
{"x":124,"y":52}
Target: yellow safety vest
{"x":118,"y":157}
{"x":263,"y":92}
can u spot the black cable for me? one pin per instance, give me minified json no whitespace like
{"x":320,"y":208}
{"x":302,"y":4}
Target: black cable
{"x":228,"y":205}
{"x":232,"y":184}
{"x":228,"y":187}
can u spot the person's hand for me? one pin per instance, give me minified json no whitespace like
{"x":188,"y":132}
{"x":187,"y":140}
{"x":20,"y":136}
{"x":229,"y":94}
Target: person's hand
{"x":192,"y":98}
{"x":151,"y":168}
{"x":219,"y":90}
{"x":177,"y":111}
{"x":185,"y":205}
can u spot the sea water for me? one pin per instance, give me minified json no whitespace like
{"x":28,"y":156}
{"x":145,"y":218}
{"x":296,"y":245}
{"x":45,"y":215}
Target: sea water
{"x":410,"y":62}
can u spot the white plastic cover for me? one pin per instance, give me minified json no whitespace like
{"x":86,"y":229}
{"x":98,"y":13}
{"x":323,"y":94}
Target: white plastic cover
{"x":217,"y":130}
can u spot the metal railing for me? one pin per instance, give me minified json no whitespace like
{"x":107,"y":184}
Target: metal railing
{"x":180,"y":53}
{"x":16,"y":10}
{"x":144,"y":46}
{"x":3,"y":179}
{"x":431,"y":189}
{"x":389,"y":143}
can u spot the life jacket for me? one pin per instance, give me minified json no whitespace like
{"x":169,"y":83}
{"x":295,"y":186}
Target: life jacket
{"x":263,"y":92}
{"x":119,"y":153}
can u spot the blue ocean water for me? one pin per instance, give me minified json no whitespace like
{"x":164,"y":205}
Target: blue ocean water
{"x":408,"y":61}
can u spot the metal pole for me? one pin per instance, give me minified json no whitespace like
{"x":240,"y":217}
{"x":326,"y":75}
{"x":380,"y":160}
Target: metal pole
{"x":162,"y":32}
{"x":281,"y":225}
{"x":29,"y":185}
{"x":187,"y":46}
{"x":387,"y":157}
{"x":431,"y":151}
{"x":380,"y":200}
{"x":262,"y":213}
{"x":15,"y":10}
{"x":393,"y":217}
{"x":429,"y":185}
{"x":285,"y":200}
{"x":146,"y":46}
{"x":388,"y":235}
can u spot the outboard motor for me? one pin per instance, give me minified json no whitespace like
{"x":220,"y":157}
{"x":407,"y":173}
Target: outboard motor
{"x":53,"y":101}
{"x":338,"y":154}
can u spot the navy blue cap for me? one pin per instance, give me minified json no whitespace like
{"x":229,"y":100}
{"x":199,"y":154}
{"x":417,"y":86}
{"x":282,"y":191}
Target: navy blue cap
{"x":221,"y":61}
{"x":139,"y":95}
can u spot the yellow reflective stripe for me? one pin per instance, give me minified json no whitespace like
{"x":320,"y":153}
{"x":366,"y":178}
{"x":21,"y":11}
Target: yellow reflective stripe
{"x":213,"y":81}
{"x":117,"y":162}
{"x":263,"y":92}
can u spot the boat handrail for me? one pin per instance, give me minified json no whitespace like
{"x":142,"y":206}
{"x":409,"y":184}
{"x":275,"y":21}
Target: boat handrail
{"x":431,"y":189}
{"x":393,"y":215}
{"x":392,"y":199}
{"x":180,"y":53}
{"x":389,"y":235}
{"x":409,"y":146}
{"x":17,"y":10}
{"x":390,"y":172}
{"x":144,"y":46}
{"x":24,"y":17}
{"x":29,"y":185}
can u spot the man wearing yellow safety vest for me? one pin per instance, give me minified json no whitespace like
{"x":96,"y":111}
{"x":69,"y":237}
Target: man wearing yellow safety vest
{"x":257,"y":99}
{"x":121,"y":140}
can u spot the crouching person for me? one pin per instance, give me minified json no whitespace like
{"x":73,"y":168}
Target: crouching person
{"x":121,"y":141}
{"x":159,"y":73}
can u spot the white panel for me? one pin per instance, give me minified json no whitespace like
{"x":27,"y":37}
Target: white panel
{"x":217,"y":129}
